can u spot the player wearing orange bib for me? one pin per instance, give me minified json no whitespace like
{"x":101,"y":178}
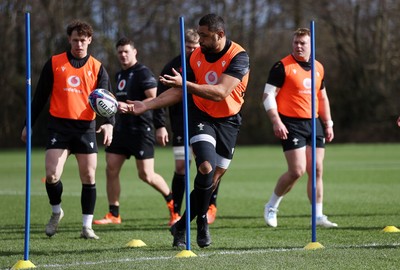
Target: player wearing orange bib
{"x":68,"y":79}
{"x":287,"y":100}
{"x":175,"y":113}
{"x":217,"y":78}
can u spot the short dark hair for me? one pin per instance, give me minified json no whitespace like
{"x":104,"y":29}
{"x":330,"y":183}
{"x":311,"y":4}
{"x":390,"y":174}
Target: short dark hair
{"x":213,"y":22}
{"x":83,"y":28}
{"x":124,"y":41}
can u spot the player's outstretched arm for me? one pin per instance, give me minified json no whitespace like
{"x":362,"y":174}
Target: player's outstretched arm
{"x":165,"y":99}
{"x":135,"y":107}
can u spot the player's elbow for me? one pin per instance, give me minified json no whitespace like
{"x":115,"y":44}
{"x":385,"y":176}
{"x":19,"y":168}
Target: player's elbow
{"x":221,"y":94}
{"x":218,"y":98}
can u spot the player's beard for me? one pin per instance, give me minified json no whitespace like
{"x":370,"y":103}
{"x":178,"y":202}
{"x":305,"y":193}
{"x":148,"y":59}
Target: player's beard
{"x":210,"y":48}
{"x":206,"y":50}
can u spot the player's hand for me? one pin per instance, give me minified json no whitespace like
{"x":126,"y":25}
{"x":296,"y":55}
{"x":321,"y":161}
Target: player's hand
{"x":280,"y":130}
{"x":172,"y":81}
{"x":126,"y":107}
{"x":162,"y":136}
{"x":135,"y":107}
{"x":107,"y":130}
{"x":23,"y":134}
{"x":123,"y":107}
{"x":398,"y":121}
{"x":329,"y":135}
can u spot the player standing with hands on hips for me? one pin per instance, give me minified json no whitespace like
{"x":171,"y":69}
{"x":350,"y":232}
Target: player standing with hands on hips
{"x":287,"y":101}
{"x":68,"y":79}
{"x":217,"y":76}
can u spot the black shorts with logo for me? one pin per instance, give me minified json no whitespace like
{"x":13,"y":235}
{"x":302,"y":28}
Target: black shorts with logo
{"x":178,"y":137}
{"x":300,"y":133}
{"x":75,"y":142}
{"x":140,"y":144}
{"x":224,"y":130}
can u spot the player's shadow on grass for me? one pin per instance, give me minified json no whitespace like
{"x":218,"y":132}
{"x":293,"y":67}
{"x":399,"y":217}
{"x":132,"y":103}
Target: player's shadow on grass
{"x":308,"y":215}
{"x":303,"y":222}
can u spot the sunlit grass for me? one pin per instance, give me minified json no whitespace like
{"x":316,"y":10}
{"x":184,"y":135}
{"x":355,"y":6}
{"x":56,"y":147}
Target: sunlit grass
{"x":361,"y":194}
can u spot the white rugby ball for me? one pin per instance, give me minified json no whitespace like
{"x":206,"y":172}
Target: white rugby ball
{"x":103,"y":102}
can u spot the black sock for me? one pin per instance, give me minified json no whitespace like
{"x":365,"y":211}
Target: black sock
{"x":178,"y":190}
{"x":199,"y":202}
{"x":203,"y":197}
{"x":54,"y":192}
{"x":181,"y":224}
{"x":88,"y":199}
{"x":214,"y":195}
{"x":114,"y":210}
{"x":201,"y":221}
{"x":168,"y":198}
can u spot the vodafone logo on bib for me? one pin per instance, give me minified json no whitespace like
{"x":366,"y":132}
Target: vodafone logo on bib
{"x":307,"y":83}
{"x":74,"y":81}
{"x":211,"y":77}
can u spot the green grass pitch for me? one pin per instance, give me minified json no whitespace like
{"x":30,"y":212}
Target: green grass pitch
{"x":362,"y":194}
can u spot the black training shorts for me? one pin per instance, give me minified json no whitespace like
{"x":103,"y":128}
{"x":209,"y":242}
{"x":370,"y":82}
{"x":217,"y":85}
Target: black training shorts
{"x":76,"y":143}
{"x":300,"y":133}
{"x":224,"y":130}
{"x":140,"y":145}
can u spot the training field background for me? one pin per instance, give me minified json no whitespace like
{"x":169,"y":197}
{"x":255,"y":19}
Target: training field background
{"x":362,"y":194}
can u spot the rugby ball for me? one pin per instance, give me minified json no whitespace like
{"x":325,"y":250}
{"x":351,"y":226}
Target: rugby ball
{"x":103,"y":102}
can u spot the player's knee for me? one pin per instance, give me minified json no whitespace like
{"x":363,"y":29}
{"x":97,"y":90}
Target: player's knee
{"x":204,"y":176}
{"x":203,"y":181}
{"x":205,"y":168}
{"x":180,"y":169}
{"x":52,"y":179}
{"x":296,"y":173}
{"x":319,"y":171}
{"x":87,"y":177}
{"x":145,"y":177}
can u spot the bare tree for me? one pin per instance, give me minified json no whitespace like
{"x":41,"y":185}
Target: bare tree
{"x":357,"y":41}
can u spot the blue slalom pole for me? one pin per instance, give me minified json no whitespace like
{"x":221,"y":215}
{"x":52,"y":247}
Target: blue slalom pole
{"x":313,"y":136}
{"x":28,"y":135}
{"x":186,"y":130}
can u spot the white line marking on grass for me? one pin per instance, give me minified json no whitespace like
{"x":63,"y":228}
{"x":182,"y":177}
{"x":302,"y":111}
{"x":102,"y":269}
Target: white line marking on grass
{"x":223,"y":252}
{"x":40,"y":193}
{"x":20,"y":193}
{"x":106,"y":262}
{"x":369,"y":245}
